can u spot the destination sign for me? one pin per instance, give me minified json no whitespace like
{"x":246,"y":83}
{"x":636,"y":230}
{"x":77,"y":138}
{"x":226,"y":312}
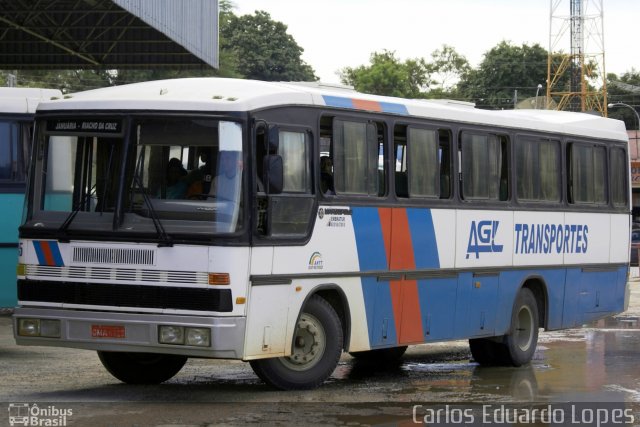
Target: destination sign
{"x":85,"y":126}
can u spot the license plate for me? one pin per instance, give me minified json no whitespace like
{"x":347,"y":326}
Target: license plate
{"x":107,"y":331}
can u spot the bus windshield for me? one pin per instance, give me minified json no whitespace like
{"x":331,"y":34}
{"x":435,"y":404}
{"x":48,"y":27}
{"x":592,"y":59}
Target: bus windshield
{"x":158,"y":176}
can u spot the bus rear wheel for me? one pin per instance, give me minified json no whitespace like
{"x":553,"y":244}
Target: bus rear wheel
{"x":517,"y":347}
{"x":316,"y":349}
{"x":520,"y":343}
{"x":141,"y":368}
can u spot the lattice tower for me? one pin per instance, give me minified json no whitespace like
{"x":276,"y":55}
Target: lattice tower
{"x":576,"y":80}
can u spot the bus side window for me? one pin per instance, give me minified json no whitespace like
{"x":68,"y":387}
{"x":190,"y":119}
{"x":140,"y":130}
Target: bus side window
{"x":587,"y":170}
{"x":484,"y":167}
{"x":618,"y":177}
{"x":357,"y":154}
{"x":538,"y":171}
{"x":422,"y":162}
{"x":13,"y":151}
{"x":286,"y":212}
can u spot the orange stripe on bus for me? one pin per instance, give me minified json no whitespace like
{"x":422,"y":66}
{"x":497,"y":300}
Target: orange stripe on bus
{"x":46,"y":251}
{"x":404,"y":293}
{"x":362,"y":104}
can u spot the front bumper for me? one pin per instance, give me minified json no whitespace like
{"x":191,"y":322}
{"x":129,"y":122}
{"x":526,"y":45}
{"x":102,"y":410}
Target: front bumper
{"x":140,"y":332}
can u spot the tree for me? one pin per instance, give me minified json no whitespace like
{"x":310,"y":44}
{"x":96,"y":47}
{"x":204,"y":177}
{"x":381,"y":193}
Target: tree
{"x":263,"y":48}
{"x":446,"y":68}
{"x":624,"y":89}
{"x":387,"y":75}
{"x":505,"y":69}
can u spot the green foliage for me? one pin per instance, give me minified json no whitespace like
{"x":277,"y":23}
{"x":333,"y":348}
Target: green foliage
{"x":413,"y":78}
{"x":387,"y":75}
{"x":263,"y":48}
{"x":446,"y":67}
{"x":624,"y":89}
{"x":505,"y":69}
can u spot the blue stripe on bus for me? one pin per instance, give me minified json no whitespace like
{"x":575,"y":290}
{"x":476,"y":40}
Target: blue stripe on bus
{"x":423,"y":236}
{"x":338,"y":101}
{"x":377,"y":295}
{"x":390,"y":107}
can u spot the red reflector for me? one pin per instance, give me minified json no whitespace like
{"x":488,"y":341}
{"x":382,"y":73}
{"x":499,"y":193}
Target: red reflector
{"x":107,"y":331}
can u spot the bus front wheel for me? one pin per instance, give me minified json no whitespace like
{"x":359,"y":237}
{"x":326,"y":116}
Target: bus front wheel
{"x":141,"y":368}
{"x":316,"y":349}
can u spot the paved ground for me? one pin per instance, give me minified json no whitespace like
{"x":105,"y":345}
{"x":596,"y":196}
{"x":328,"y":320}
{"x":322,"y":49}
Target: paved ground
{"x":592,"y":365}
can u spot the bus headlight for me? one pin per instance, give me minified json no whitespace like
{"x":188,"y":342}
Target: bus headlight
{"x":183,"y":335}
{"x":169,"y":334}
{"x":48,"y":328}
{"x":200,"y":337}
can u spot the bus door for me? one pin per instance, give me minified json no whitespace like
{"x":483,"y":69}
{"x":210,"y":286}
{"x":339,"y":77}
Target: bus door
{"x":283,"y":215}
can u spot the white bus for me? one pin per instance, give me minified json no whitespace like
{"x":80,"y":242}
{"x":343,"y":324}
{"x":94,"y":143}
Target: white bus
{"x":282,"y":224}
{"x":17,"y":107}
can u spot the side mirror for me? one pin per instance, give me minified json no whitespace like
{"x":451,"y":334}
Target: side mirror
{"x":273,"y":173}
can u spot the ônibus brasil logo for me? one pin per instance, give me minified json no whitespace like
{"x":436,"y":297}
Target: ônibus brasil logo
{"x":25,"y":414}
{"x":481,"y":238}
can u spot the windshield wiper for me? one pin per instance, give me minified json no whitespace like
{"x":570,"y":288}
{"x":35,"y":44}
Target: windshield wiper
{"x":86,"y":200}
{"x":62,"y":231}
{"x":163,"y":237}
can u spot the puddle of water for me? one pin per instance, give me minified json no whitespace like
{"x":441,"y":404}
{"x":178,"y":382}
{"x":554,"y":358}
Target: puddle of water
{"x":617,"y":322}
{"x":594,"y":364}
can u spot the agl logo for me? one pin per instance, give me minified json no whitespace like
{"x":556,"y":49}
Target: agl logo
{"x":481,"y":238}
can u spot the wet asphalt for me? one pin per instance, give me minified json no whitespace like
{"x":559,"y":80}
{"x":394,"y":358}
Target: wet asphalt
{"x":582,"y":374}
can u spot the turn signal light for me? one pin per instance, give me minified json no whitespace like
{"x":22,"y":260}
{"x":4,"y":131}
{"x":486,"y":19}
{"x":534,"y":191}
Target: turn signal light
{"x":219,"y":279}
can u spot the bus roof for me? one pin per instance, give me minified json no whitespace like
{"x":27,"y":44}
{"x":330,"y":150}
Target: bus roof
{"x":24,"y":100}
{"x":221,"y":94}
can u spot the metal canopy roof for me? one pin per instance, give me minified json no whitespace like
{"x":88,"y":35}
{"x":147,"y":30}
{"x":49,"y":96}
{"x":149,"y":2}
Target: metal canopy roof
{"x":108,"y":34}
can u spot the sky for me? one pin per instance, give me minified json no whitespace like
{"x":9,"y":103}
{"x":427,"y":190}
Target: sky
{"x":343,"y":33}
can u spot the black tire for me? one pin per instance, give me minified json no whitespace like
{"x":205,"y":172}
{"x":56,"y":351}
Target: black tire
{"x":317,"y":346}
{"x":517,"y":347}
{"x":520,"y":343}
{"x":485,"y":351}
{"x":381,"y":355}
{"x":141,"y":368}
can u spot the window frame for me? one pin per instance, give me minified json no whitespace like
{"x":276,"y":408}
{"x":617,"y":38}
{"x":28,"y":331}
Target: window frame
{"x":22,"y":155}
{"x":519,"y":138}
{"x":381,"y":127}
{"x":501,"y":137}
{"x":438,"y":130}
{"x":625,"y":177}
{"x":571,"y":202}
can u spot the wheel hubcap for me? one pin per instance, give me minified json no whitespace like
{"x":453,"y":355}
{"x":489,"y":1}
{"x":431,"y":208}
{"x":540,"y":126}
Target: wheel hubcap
{"x":309,"y":343}
{"x":524,"y":329}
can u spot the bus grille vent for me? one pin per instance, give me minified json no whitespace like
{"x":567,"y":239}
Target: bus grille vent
{"x":120,"y":274}
{"x":114,"y":256}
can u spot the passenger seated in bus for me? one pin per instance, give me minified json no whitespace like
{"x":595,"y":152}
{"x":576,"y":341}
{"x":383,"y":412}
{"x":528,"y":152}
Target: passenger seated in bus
{"x":176,"y":179}
{"x":326,"y":175}
{"x":199,"y":179}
